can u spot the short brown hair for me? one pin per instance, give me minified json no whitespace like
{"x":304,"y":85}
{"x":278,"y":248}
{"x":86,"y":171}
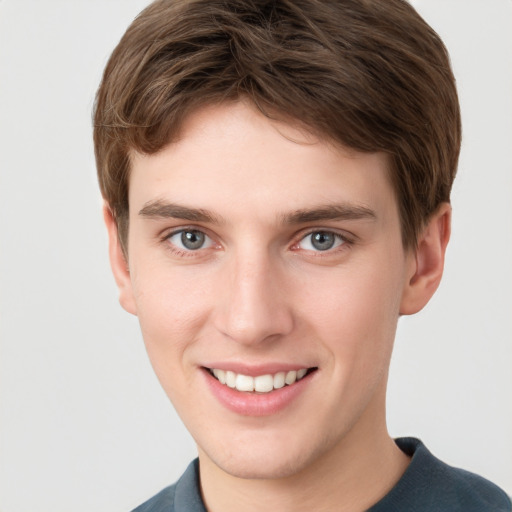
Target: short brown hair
{"x":369,"y":74}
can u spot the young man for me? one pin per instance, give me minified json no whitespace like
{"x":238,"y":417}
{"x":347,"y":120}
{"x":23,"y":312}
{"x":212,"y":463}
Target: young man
{"x":277,"y":178}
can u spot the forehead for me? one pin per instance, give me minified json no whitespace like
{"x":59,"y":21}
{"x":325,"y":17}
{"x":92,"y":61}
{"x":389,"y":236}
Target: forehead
{"x":231,"y":156}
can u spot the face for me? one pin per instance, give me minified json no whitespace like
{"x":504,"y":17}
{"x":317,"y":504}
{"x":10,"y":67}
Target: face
{"x":267,"y":271}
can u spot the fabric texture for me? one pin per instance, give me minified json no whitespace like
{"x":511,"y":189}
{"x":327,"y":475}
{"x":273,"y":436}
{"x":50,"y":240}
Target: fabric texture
{"x":428,"y":485}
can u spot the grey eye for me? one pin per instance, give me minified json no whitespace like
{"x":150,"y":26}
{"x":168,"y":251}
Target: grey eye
{"x":321,"y":241}
{"x":190,"y":239}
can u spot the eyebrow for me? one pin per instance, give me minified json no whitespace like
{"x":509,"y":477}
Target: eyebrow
{"x":164,"y":210}
{"x":330,"y":212}
{"x":159,"y":209}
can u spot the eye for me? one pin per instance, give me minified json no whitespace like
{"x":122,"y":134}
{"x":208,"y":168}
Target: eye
{"x":321,"y":241}
{"x":190,"y":240}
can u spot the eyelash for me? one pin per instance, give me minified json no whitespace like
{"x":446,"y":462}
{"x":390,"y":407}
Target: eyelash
{"x":346,"y":242}
{"x":183,"y":253}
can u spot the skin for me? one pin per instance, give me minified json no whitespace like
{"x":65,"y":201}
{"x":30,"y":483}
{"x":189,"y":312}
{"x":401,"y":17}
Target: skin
{"x":259,"y":292}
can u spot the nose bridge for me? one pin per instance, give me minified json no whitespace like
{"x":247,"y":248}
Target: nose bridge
{"x":254,"y":307}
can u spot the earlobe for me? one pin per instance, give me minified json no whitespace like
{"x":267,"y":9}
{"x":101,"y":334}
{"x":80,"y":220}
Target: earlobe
{"x":118,"y":263}
{"x":426,"y":263}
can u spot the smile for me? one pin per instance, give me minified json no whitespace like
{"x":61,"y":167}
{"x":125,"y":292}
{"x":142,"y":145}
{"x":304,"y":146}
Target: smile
{"x":260,"y":383}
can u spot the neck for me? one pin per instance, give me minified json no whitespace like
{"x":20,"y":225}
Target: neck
{"x":355,"y":474}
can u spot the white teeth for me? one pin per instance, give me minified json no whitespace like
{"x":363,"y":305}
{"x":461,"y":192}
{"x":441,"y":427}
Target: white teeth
{"x":244,"y":383}
{"x":221,"y":375}
{"x":291,"y":377}
{"x":231,"y":379}
{"x":261,"y":383}
{"x":279,"y":380}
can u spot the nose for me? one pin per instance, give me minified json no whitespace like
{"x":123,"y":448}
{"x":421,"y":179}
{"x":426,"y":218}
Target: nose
{"x":252,"y":306}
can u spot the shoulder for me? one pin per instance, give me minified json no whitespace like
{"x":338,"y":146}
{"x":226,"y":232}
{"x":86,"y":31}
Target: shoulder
{"x":182,"y":496}
{"x":429,"y":484}
{"x":161,"y":502}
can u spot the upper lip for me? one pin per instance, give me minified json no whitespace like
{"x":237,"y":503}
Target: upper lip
{"x":253,"y":370}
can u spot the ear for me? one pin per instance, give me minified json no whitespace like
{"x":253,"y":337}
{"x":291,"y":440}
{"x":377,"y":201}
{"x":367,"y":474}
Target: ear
{"x":118,"y":263}
{"x":426,"y":263}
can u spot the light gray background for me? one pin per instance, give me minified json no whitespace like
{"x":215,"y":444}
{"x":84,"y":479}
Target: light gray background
{"x":84,"y":425}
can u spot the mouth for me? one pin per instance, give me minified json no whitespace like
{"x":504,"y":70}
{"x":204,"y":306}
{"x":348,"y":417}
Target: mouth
{"x":259,"y":384}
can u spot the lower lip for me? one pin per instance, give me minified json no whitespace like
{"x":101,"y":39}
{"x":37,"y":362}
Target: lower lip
{"x":256,"y":404}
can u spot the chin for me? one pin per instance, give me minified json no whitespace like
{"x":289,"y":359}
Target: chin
{"x":261,"y":468}
{"x":262,"y":461}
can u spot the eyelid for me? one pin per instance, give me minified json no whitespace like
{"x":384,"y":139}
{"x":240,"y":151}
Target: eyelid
{"x":348,"y":239}
{"x":169,"y":233}
{"x":166,"y":233}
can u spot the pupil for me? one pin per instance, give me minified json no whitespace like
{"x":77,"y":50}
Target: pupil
{"x":192,"y":239}
{"x":322,"y":241}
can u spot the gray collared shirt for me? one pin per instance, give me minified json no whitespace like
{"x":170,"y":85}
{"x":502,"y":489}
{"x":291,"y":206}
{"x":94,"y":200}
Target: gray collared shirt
{"x":428,"y":485}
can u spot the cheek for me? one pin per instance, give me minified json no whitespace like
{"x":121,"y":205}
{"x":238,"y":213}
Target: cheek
{"x":357,"y":313}
{"x":169,"y":299}
{"x":171,"y":310}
